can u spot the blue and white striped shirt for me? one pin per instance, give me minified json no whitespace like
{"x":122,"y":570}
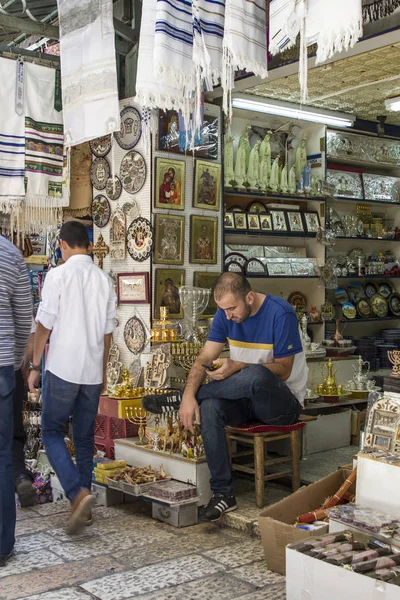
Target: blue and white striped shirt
{"x":15,"y":305}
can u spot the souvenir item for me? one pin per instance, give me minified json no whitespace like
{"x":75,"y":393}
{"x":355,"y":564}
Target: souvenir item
{"x":356,"y":291}
{"x":100,"y":250}
{"x":203,"y":239}
{"x":236,"y":209}
{"x":253,"y":172}
{"x":194,"y":302}
{"x":167,"y":284}
{"x":266,"y":222}
{"x":99,"y":173}
{"x":229,"y":173}
{"x":311,"y":220}
{"x":254,"y":265}
{"x":327,"y":311}
{"x":349,"y":310}
{"x":131,"y":128}
{"x":133,"y":172}
{"x":234,"y":267}
{"x":101,"y":146}
{"x":237,"y":257}
{"x":298,"y":301}
{"x":135,"y":335}
{"x":382,"y":430}
{"x":131,"y":210}
{"x":394,"y":304}
{"x":301,"y":267}
{"x":279,"y":268}
{"x":173,"y":137}
{"x":351,"y":146}
{"x":256,"y":207}
{"x":155,"y":372}
{"x":381,"y":187}
{"x":329,"y":387}
{"x":207,"y":280}
{"x":364,"y":309}
{"x":295,"y":221}
{"x":379,"y":305}
{"x":169,"y":234}
{"x":278,"y":220}
{"x":139,"y":239}
{"x":240,"y":220}
{"x":315,"y":314}
{"x":118,"y":235}
{"x":242,"y":159}
{"x":253,"y":222}
{"x":101,"y":210}
{"x":385,"y":289}
{"x":207,"y":185}
{"x":133,"y":288}
{"x":341,"y":295}
{"x":228,"y":221}
{"x":170,"y":184}
{"x":346,"y":184}
{"x":113,"y":189}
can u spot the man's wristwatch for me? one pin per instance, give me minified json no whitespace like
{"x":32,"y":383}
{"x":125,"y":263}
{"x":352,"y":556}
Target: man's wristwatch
{"x":33,"y":367}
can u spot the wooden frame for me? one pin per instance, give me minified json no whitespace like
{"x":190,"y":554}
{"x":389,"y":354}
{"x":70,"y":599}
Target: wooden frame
{"x":140,"y":293}
{"x":311,"y":221}
{"x":203,"y":245}
{"x":240,"y":220}
{"x":169,"y":232}
{"x":265,"y":222}
{"x":207,"y":185}
{"x":169,"y":192}
{"x":167,"y":282}
{"x":253,"y":221}
{"x":229,"y":222}
{"x":279,"y":220}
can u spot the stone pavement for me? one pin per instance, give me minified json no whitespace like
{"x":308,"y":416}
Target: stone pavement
{"x":126,"y":554}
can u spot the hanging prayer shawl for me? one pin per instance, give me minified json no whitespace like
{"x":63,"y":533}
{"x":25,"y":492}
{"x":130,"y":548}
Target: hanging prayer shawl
{"x":88,"y":69}
{"x":373,"y":10}
{"x":81,"y":193}
{"x":244,"y":45}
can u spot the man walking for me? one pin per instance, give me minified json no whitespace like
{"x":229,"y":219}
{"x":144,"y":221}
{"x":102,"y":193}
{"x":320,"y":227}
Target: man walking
{"x":78,"y":307}
{"x":264,"y":379}
{"x":15,"y":325}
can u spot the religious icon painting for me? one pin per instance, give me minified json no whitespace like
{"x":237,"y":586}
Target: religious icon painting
{"x":118,"y":235}
{"x":99,"y":173}
{"x":295,"y":221}
{"x":278,"y":220}
{"x":240,"y":220}
{"x":229,"y":223}
{"x":169,"y":234}
{"x":170,"y":184}
{"x":266,"y":222}
{"x":101,"y":146}
{"x":311,"y":220}
{"x":207,"y":280}
{"x":139,"y":239}
{"x":101,"y":210}
{"x":203,"y":239}
{"x":131,"y":128}
{"x":207,"y":185}
{"x":168,"y":282}
{"x":253,"y":221}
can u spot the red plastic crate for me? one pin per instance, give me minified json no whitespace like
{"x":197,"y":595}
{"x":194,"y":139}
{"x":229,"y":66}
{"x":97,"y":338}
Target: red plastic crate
{"x":106,"y":446}
{"x":101,"y":427}
{"x":121,"y":428}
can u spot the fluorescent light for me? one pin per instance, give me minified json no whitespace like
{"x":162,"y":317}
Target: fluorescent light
{"x":393,"y":104}
{"x":293,"y":111}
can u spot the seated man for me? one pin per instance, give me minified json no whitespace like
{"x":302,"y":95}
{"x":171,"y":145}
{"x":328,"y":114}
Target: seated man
{"x":264,"y":378}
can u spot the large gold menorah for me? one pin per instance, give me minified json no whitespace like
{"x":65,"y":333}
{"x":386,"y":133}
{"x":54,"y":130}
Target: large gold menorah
{"x":138,"y":416}
{"x":184,"y":354}
{"x":394,"y":357}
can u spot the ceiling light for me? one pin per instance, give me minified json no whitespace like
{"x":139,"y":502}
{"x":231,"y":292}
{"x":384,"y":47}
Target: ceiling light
{"x":393,"y":104}
{"x":293,"y":111}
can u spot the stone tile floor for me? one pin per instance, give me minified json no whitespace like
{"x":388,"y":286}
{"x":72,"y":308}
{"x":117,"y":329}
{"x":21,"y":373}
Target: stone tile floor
{"x":126,"y":554}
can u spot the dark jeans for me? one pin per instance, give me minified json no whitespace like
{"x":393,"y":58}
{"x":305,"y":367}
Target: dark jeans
{"x":254,"y":393}
{"x":7,"y":499}
{"x":62,"y":399}
{"x":18,"y":457}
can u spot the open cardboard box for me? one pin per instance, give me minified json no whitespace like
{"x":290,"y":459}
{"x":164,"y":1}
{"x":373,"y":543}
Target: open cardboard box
{"x":277,"y":521}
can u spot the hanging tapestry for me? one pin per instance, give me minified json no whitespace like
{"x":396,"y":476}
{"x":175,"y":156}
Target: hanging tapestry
{"x":81,"y":194}
{"x":88,"y":69}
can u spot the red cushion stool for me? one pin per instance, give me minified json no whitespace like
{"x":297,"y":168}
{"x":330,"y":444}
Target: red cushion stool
{"x":258,"y":434}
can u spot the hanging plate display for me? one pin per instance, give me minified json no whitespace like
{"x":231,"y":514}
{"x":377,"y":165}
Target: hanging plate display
{"x":394,"y":304}
{"x":99,"y":173}
{"x":257,"y":207}
{"x":131,"y":210}
{"x":131,"y":128}
{"x":101,"y":210}
{"x":385,"y":289}
{"x":114,"y":193}
{"x":298,"y":301}
{"x":341,"y":295}
{"x":135,"y":335}
{"x":101,"y":146}
{"x":133,"y":172}
{"x":379,"y":305}
{"x":356,"y":291}
{"x":364,"y":309}
{"x":139,"y":239}
{"x":349,"y":310}
{"x":370,"y":289}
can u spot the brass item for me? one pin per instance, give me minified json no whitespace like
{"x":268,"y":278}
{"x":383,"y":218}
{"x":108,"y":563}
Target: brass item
{"x":138,"y":416}
{"x":394,"y":357}
{"x":100,"y":250}
{"x":329,"y":387}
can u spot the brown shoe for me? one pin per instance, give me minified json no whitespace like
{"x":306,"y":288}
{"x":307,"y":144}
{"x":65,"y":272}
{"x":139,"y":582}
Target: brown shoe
{"x":81,"y":511}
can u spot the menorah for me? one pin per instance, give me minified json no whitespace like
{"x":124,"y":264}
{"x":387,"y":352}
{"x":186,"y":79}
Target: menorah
{"x":194,"y":301}
{"x":394,"y":357}
{"x":184,"y":354}
{"x":138,"y":416}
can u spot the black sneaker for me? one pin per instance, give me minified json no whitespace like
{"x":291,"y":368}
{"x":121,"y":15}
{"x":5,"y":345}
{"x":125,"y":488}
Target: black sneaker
{"x":218,"y":505}
{"x":25,"y":490}
{"x":4,"y":559}
{"x":162,"y":403}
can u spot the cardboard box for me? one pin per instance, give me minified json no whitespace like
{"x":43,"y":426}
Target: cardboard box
{"x":310,"y":579}
{"x":357,"y":421}
{"x":331,"y":430}
{"x":277,"y":521}
{"x":378,"y":485}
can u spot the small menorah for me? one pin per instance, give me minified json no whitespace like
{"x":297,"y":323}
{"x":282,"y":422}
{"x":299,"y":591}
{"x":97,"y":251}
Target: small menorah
{"x":394,"y":357}
{"x":138,"y":416}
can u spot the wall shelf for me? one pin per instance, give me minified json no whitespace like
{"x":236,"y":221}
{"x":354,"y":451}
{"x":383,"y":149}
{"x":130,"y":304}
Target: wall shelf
{"x":271,"y":196}
{"x":369,"y":320}
{"x":265,"y":276}
{"x":363,"y":239}
{"x":365,"y":201}
{"x":283,"y":234}
{"x":368,"y":277}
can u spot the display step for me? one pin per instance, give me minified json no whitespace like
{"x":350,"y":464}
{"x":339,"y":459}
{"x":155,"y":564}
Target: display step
{"x":283,"y":234}
{"x":266,"y":195}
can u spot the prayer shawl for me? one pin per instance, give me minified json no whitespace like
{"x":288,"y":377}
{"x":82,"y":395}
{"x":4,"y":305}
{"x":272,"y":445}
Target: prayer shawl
{"x":88,"y":69}
{"x":373,"y":10}
{"x":81,"y":193}
{"x":244,"y":45}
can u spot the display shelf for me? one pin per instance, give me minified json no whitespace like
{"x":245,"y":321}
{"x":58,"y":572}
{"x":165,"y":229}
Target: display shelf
{"x":360,"y":320}
{"x":363,"y":239}
{"x":284,"y":234}
{"x":266,"y":195}
{"x":363,"y":201}
{"x":368,"y":276}
{"x":265,"y":276}
{"x":373,"y":167}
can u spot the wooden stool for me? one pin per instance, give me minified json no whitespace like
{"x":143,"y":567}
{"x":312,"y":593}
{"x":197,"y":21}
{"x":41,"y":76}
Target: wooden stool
{"x":258,"y":434}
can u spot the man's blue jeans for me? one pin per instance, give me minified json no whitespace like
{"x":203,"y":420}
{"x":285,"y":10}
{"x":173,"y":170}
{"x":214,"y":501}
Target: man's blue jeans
{"x":62,"y":399}
{"x":254,"y":393}
{"x":7,"y":497}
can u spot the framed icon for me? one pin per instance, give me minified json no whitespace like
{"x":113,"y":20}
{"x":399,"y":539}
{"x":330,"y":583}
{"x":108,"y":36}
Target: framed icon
{"x":133,"y":288}
{"x":207,"y":185}
{"x":295,"y":221}
{"x":170,"y":184}
{"x":168,"y":282}
{"x":311,"y":221}
{"x":169,"y":234}
{"x":203,"y":239}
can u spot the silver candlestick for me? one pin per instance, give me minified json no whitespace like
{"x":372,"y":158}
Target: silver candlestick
{"x":194,"y":301}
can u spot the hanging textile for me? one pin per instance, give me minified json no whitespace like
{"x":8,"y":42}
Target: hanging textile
{"x":244,"y":45}
{"x":88,"y":69}
{"x":12,"y":140}
{"x":373,"y":10}
{"x":81,"y":192}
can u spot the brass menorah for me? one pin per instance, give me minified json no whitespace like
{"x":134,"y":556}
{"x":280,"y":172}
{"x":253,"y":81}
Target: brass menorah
{"x":394,"y":357}
{"x":138,"y":416}
{"x":184,"y":354}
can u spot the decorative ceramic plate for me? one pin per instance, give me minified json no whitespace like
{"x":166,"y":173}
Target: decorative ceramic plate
{"x":254,"y":265}
{"x":135,"y":335}
{"x":385,"y":289}
{"x":394,"y":304}
{"x":131,"y":128}
{"x":341,"y":295}
{"x":355,"y":291}
{"x":349,"y":311}
{"x":379,"y":305}
{"x":257,"y":207}
{"x":298,"y":301}
{"x":114,"y":195}
{"x":101,"y":146}
{"x":370,"y":289}
{"x":101,"y":210}
{"x":133,"y":172}
{"x":139,"y":239}
{"x":99,"y":173}
{"x":364,"y":308}
{"x":131,"y":210}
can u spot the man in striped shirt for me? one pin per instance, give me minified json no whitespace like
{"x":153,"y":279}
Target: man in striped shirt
{"x":15,"y":326}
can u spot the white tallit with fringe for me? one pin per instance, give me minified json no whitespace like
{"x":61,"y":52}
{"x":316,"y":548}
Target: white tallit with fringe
{"x":88,"y":69}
